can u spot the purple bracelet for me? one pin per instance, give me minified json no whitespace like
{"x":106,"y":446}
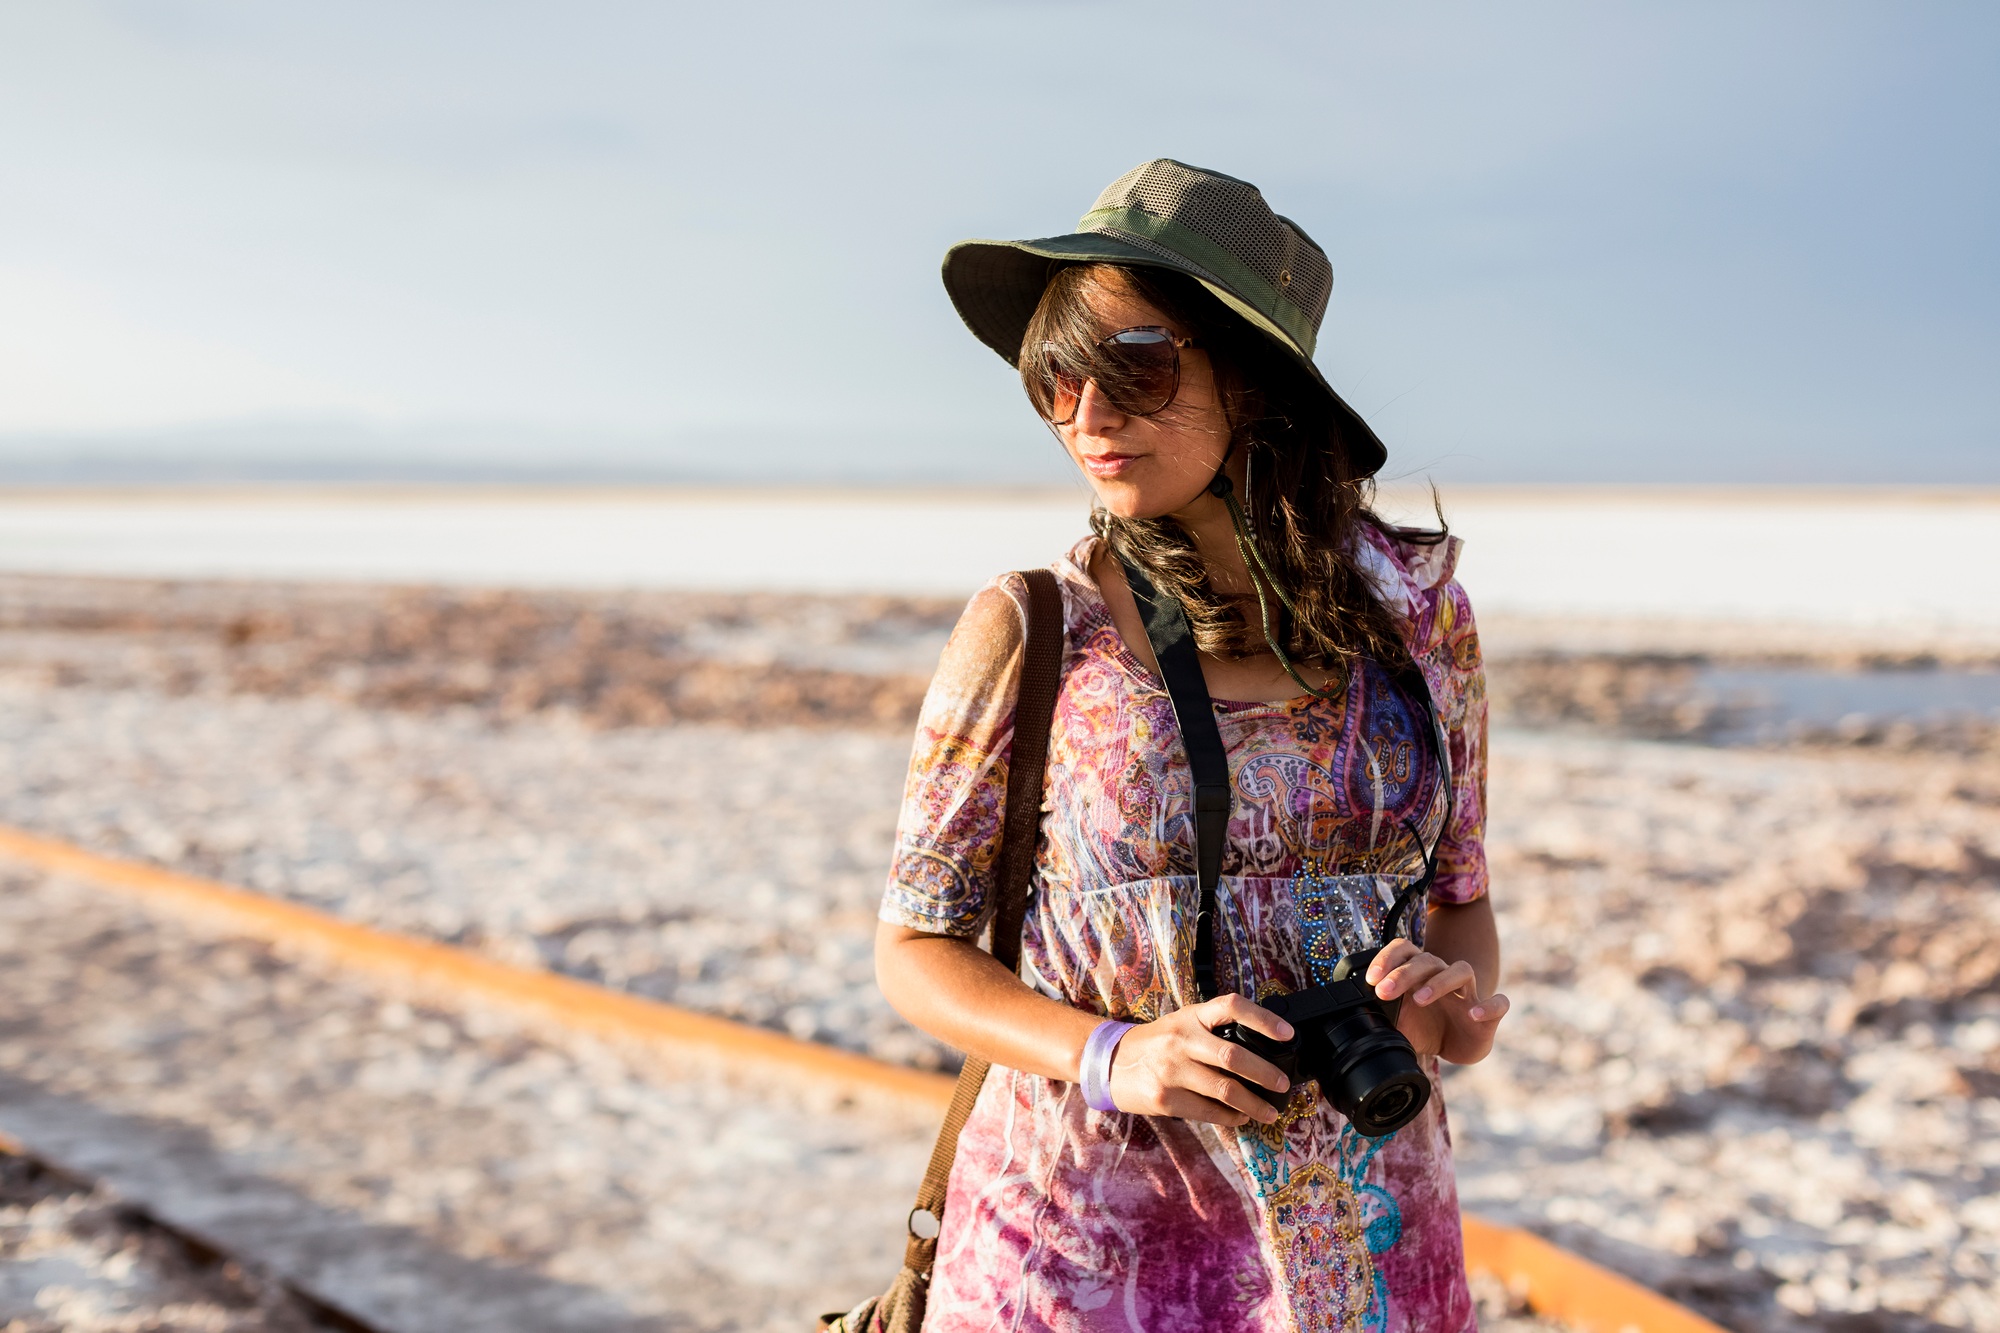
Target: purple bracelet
{"x":1095,"y":1070}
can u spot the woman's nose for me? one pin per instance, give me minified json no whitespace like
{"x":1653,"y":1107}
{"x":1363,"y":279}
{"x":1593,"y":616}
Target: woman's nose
{"x":1095,"y":414}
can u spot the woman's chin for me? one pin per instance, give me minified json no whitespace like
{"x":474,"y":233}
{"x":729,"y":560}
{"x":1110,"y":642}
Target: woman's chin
{"x":1123,"y":500}
{"x":1123,"y":504}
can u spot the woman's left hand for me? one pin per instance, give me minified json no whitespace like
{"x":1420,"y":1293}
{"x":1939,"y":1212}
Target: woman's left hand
{"x":1443,"y":1013}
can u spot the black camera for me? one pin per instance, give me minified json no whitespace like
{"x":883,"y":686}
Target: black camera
{"x":1344,"y":1038}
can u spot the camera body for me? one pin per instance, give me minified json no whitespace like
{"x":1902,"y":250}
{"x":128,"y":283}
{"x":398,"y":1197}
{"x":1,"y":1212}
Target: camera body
{"x":1344,"y":1038}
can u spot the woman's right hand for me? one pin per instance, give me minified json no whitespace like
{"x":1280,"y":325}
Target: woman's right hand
{"x":1177,"y":1066}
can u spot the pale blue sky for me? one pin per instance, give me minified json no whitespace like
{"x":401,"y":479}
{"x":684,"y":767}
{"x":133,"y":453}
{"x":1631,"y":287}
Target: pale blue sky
{"x":1592,"y":240}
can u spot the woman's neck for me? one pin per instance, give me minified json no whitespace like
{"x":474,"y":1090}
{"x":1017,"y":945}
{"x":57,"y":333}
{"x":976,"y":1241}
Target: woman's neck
{"x":1207,"y":521}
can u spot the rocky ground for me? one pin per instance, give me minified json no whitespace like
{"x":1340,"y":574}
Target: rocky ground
{"x":436,"y":1170}
{"x":74,"y":1258}
{"x":1755,"y":1058}
{"x":430,"y":1171}
{"x":766,"y":660}
{"x":608,"y":660}
{"x":730,"y":870}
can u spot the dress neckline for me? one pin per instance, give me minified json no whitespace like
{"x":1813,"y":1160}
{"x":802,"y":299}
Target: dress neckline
{"x":1098,"y":612}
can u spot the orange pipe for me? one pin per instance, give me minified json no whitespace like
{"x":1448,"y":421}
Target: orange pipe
{"x":1553,"y":1281}
{"x":442,"y":970}
{"x":1569,"y":1287}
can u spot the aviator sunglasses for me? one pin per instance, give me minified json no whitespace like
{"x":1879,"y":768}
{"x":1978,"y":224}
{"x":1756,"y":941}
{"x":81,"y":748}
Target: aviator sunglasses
{"x":1138,"y":370}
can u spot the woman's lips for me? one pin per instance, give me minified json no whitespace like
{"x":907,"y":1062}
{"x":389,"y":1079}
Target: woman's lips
{"x":1107,"y":465}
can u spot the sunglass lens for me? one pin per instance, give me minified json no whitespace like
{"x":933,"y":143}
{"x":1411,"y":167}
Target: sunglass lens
{"x":1141,"y":370}
{"x":1138,"y":371}
{"x":1061,"y":387}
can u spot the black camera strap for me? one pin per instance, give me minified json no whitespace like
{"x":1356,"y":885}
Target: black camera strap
{"x":1168,"y":631}
{"x":1172,"y":638}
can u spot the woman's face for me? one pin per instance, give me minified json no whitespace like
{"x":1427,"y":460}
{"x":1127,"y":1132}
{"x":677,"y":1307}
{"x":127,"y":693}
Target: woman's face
{"x":1144,"y":467}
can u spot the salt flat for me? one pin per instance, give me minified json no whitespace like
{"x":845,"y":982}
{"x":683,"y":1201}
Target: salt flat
{"x":1755,"y":1058}
{"x":1893,"y":563}
{"x":430,"y":1171}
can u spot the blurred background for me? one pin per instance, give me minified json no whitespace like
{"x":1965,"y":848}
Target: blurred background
{"x":504,"y":474}
{"x":1571,"y":242}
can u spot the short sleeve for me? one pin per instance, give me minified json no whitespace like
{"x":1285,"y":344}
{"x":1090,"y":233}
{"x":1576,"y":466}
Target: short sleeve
{"x":1458,"y":676}
{"x":955,"y":798}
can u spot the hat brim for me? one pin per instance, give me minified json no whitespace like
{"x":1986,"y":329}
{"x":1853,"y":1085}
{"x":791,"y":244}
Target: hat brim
{"x":996,"y":285}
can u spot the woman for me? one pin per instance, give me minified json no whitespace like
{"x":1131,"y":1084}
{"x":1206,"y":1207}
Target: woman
{"x":1168,"y":344}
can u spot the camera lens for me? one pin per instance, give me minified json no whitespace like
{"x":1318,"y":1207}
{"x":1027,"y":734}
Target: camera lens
{"x":1376,"y":1081}
{"x":1395,"y":1097}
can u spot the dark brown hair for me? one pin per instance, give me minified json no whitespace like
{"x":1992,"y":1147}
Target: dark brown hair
{"x":1305,"y":504}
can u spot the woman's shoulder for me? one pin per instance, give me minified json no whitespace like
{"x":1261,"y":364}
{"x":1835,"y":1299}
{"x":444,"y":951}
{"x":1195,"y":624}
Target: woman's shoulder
{"x":994,"y":625}
{"x":1415,"y":574}
{"x":1407,"y":563}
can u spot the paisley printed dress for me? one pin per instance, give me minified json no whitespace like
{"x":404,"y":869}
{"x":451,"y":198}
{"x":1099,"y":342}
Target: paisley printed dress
{"x":1063,"y":1218}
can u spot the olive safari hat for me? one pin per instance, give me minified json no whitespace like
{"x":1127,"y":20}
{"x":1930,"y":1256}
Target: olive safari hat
{"x":1166,"y":214}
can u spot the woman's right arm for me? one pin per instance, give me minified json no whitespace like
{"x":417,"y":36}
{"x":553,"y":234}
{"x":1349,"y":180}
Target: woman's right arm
{"x":1175,"y":1065}
{"x":966,"y":998}
{"x":947,"y":844}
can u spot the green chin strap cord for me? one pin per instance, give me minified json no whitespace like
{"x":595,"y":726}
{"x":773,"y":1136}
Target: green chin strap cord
{"x":1260,"y":578}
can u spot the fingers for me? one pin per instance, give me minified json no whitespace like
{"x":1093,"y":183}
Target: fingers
{"x":1468,"y":1038}
{"x":1454,"y":980}
{"x":1394,"y":953}
{"x":1238,"y":1097}
{"x":1196,"y":1091}
{"x":1220,"y":1071}
{"x":1176,"y":1066}
{"x":1214,"y":1085}
{"x":1422,"y":971}
{"x":1187,"y":1105}
{"x":1424,"y":977}
{"x":1233,"y":1008}
{"x":1233,"y":1059}
{"x":1246,"y":1066}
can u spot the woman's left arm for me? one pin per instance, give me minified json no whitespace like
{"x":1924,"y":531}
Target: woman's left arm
{"x":1465,"y":933}
{"x":1454,"y":1002}
{"x":1453,"y":1009}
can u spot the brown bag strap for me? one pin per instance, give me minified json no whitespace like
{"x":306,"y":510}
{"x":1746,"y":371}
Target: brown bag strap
{"x":1034,"y":714}
{"x":1034,"y":711}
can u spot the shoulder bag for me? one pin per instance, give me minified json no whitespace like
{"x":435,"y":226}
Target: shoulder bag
{"x":901,"y":1308}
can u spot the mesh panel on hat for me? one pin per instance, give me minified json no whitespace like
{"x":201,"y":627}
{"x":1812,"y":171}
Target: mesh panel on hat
{"x":1233,"y":215}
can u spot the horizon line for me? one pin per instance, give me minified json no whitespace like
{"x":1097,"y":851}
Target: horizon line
{"x":504,"y":489}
